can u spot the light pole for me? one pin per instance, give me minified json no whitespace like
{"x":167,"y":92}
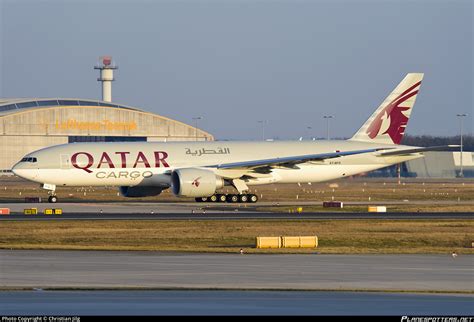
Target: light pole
{"x":309,"y":128}
{"x":263,"y":122}
{"x":196,"y":125}
{"x":327,"y":117}
{"x":461,"y":174}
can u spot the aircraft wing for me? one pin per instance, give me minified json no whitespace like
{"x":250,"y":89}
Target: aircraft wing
{"x":418,"y":150}
{"x":289,"y":162}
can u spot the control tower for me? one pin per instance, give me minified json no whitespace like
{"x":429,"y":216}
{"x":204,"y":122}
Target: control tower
{"x":106,"y":67}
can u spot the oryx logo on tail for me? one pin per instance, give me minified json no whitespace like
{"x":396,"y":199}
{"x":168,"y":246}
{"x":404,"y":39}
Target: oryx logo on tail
{"x":393,"y":116}
{"x":388,"y":123}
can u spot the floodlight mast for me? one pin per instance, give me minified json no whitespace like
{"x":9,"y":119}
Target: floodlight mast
{"x":461,"y":116}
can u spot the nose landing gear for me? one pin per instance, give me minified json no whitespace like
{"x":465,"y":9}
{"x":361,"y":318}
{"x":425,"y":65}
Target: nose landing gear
{"x":52,"y":199}
{"x":51,"y":191}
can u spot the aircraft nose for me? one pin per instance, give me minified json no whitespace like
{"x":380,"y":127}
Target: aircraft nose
{"x":16,"y":169}
{"x":23,"y":172}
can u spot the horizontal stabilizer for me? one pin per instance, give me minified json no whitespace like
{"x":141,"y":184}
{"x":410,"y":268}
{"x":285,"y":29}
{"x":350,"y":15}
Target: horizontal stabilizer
{"x":418,"y":150}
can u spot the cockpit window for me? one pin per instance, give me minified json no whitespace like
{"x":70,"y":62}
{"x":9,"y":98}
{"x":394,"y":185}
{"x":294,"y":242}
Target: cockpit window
{"x":29,"y":159}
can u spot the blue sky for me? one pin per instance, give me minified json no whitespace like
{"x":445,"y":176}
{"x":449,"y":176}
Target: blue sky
{"x":235,"y":62}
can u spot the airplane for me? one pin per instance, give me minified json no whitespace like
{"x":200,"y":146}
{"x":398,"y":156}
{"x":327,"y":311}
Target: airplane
{"x":202,"y":169}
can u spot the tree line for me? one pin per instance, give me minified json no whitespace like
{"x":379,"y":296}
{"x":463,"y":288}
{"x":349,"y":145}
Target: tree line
{"x":429,"y":140}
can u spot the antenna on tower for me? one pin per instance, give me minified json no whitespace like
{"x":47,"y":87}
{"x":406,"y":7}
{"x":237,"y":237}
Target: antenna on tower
{"x":106,"y":66}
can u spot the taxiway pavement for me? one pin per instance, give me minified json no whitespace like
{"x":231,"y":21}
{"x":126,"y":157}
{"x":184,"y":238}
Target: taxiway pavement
{"x":201,"y":211}
{"x":154,"y":270}
{"x":194,"y":302}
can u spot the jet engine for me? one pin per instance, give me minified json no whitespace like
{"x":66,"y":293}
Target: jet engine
{"x":137,"y":191}
{"x":193,"y":182}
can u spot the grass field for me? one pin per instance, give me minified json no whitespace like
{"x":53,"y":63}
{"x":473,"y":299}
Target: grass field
{"x":335,"y":236}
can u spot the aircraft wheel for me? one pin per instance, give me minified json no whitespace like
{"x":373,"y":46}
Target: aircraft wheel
{"x":201,"y":199}
{"x":253,"y":198}
{"x":213,"y":198}
{"x":221,"y":198}
{"x":243,"y":198}
{"x":232,"y":198}
{"x":52,"y":199}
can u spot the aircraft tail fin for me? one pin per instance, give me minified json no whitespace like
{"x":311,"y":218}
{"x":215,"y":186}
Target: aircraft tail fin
{"x":388,"y":123}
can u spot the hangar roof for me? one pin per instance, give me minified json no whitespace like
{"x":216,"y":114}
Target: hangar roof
{"x":13,"y":105}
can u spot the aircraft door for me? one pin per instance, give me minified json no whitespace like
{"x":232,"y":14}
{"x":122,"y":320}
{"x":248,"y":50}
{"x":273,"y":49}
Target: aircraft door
{"x":65,"y":161}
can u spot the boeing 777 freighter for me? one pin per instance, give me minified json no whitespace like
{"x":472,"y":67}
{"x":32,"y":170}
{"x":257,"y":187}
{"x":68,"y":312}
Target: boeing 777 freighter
{"x":202,"y":169}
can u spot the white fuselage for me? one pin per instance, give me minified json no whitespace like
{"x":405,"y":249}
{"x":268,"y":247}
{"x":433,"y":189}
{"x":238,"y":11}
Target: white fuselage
{"x":150,"y":164}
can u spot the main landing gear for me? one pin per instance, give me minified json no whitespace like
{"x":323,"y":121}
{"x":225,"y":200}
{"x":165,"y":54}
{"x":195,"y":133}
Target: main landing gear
{"x":231,"y":198}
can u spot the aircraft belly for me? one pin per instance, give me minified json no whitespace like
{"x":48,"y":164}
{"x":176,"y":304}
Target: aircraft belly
{"x":319,"y":173}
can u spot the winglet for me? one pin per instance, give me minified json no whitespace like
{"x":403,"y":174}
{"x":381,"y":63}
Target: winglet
{"x":388,"y":123}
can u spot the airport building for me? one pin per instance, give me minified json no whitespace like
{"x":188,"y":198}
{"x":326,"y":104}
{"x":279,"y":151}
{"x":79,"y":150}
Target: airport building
{"x":434,"y":164}
{"x":27,"y":125}
{"x":442,"y":165}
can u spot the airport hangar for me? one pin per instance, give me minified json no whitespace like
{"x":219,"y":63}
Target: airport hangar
{"x":27,"y":125}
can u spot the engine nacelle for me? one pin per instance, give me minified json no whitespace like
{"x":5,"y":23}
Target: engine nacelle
{"x":136,"y":192}
{"x":195,"y":182}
